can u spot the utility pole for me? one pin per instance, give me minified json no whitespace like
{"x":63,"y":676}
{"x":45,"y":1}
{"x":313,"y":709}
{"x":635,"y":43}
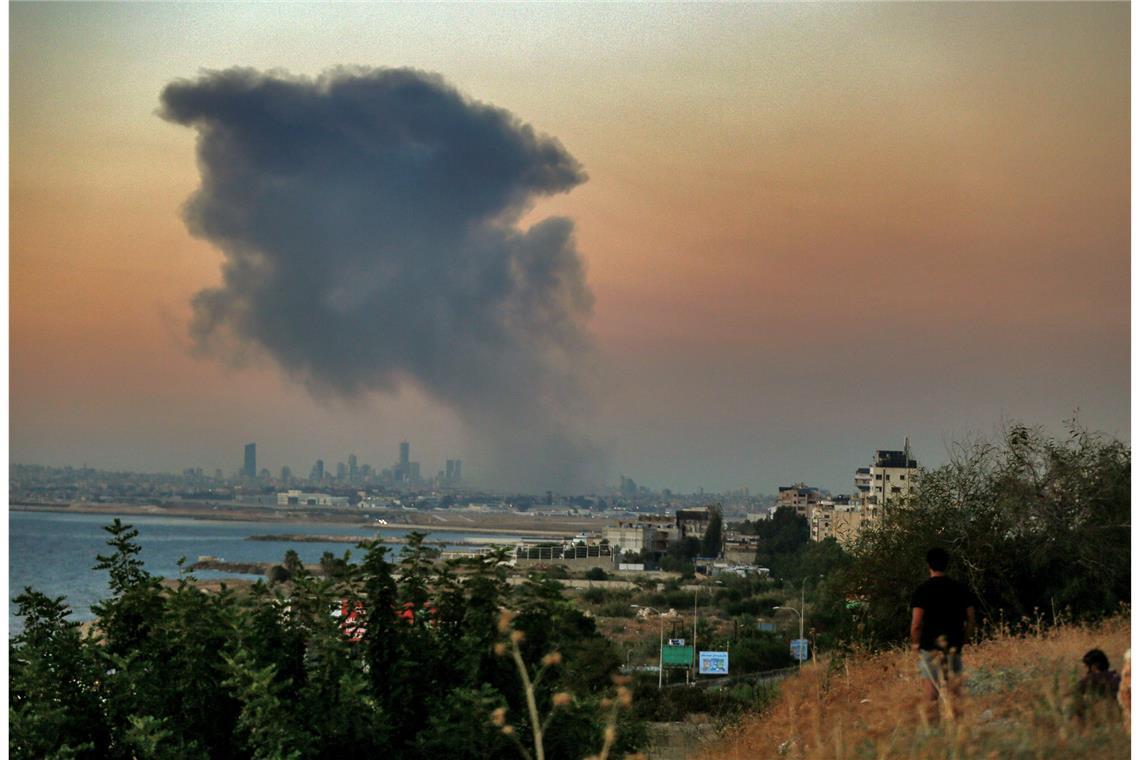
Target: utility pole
{"x":693,"y":662}
{"x":660,"y":646}
{"x":693,"y":667}
{"x":799,"y":612}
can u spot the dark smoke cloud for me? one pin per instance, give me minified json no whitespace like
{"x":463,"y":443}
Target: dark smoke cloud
{"x":369,"y":222}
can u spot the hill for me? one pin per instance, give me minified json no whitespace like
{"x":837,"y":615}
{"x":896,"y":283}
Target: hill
{"x":1019,"y":701}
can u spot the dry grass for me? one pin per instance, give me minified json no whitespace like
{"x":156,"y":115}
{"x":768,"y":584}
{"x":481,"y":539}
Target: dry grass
{"x":1018,"y":701}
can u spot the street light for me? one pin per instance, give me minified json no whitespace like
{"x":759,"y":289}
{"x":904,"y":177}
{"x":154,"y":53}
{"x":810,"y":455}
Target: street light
{"x":661,"y":646}
{"x":800,"y":613}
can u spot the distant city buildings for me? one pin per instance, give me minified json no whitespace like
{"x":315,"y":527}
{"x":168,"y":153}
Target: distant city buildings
{"x":406,"y":472}
{"x":453,"y":474}
{"x":890,"y":479}
{"x":800,"y":497}
{"x":692,"y":523}
{"x":250,"y":468}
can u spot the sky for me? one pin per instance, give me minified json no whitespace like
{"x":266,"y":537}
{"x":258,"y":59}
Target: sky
{"x":806,"y":232}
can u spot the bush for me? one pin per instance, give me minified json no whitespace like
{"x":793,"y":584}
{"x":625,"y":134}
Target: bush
{"x":617,"y":609}
{"x":677,"y":702}
{"x":594,"y":595}
{"x":759,"y":652}
{"x":275,"y":673}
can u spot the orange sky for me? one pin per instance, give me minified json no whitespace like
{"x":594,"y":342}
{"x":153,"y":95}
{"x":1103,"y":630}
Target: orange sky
{"x":811,"y":230}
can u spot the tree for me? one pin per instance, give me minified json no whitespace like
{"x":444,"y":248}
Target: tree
{"x":679,"y":556}
{"x":335,"y":567}
{"x":277,"y":574}
{"x":53,"y":705}
{"x":292,"y":563}
{"x":276,"y":672}
{"x":459,"y":728}
{"x":780,"y":541}
{"x":135,"y":605}
{"x":711,"y":544}
{"x":1034,"y":525}
{"x":815,"y":560}
{"x":755,"y":651}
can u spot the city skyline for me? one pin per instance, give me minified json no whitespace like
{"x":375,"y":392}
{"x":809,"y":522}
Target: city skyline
{"x":352,"y":471}
{"x":806,"y":232}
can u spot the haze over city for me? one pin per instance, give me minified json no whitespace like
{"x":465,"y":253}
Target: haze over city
{"x":700,"y":246}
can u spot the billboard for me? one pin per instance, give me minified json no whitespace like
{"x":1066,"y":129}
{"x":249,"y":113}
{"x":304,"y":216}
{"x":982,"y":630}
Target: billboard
{"x":677,"y":656}
{"x":713,"y":663}
{"x":800,"y":649}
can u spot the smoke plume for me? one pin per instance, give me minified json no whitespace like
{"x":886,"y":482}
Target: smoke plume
{"x":369,"y":220}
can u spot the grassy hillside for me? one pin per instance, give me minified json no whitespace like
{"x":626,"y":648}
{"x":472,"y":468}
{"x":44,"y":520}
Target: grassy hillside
{"x":1018,"y":701}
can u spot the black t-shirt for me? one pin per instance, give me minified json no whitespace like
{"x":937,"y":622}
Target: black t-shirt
{"x":943,"y":602}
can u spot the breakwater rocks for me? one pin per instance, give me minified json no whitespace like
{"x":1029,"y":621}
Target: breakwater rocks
{"x":245,"y":568}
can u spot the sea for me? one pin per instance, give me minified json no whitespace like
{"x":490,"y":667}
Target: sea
{"x":55,"y":553}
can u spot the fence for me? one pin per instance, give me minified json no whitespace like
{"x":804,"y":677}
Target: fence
{"x":562,"y":552}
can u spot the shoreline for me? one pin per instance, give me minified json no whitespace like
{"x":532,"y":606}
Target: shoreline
{"x":493,"y":523}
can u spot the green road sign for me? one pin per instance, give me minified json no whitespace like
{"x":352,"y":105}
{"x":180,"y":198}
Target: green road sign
{"x":678,"y":656}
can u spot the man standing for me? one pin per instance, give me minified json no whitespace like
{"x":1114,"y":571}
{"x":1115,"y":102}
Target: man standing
{"x":942,"y":619}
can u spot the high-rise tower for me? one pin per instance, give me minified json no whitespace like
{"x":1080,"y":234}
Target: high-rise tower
{"x":250,"y":468}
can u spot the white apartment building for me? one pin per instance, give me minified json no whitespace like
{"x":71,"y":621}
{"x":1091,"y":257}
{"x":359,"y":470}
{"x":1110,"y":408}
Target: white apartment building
{"x":890,"y":478}
{"x":635,"y":537}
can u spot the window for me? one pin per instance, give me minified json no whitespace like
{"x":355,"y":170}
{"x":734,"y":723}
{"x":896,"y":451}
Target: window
{"x":878,"y":476}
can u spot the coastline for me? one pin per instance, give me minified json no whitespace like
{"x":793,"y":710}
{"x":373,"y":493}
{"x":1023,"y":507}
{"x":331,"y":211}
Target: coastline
{"x":457,"y":521}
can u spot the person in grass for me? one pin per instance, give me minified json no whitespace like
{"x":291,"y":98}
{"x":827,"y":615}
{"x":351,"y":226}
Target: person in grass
{"x":1124,"y":695}
{"x":942,"y":620}
{"x":1099,"y":679}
